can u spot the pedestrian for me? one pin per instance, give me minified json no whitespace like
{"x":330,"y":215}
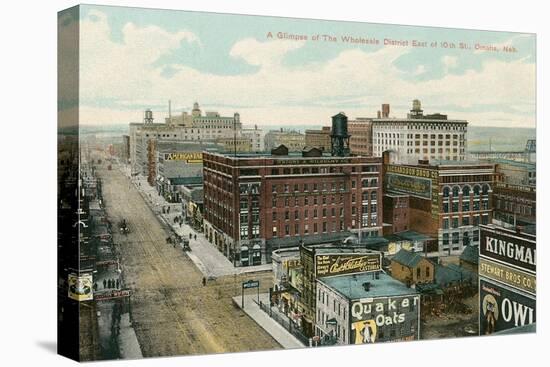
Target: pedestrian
{"x":190,"y":235}
{"x":117,"y":283}
{"x":168,"y":210}
{"x":195,"y":237}
{"x":104,"y":283}
{"x":95,"y":286}
{"x":203,"y":281}
{"x":180,"y":224}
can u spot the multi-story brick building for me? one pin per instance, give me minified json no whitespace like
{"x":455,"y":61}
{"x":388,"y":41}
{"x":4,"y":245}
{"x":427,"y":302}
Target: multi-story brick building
{"x":319,"y":138}
{"x":396,"y":213}
{"x":448,"y":200}
{"x":255,"y":203}
{"x":360,"y":142}
{"x":515,"y":205}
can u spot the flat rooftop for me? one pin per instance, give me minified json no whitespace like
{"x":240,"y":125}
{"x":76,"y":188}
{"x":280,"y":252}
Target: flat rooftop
{"x":351,"y":286}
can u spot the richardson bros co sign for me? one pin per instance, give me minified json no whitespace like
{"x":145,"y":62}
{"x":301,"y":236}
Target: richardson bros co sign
{"x":507,"y":279}
{"x":385,"y":319}
{"x":339,"y":264}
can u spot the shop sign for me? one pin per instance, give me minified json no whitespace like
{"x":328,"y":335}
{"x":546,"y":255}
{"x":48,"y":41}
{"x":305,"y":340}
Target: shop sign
{"x":338,"y":264}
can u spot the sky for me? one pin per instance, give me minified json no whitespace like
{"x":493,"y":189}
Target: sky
{"x":132,"y":59}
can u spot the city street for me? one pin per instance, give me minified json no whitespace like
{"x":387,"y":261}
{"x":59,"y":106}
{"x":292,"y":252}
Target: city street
{"x":171,"y":311}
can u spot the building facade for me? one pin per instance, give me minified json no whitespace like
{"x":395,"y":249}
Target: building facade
{"x":318,"y":138}
{"x":255,"y":203}
{"x":292,"y":139}
{"x":360,"y":142}
{"x":447,"y":201}
{"x":420,"y":137}
{"x":412,"y":268}
{"x":515,"y":205}
{"x":194,"y":127}
{"x":366,"y":308}
{"x":256,"y":137}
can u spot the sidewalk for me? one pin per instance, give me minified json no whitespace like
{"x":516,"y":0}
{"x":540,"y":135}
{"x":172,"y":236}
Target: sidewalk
{"x":204,"y":255}
{"x":278,"y":332}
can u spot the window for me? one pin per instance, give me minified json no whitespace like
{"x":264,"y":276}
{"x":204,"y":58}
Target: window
{"x":427,"y":271}
{"x":418,"y":272}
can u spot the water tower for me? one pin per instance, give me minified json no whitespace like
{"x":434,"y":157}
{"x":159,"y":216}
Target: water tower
{"x":339,"y":137}
{"x":148,"y":117}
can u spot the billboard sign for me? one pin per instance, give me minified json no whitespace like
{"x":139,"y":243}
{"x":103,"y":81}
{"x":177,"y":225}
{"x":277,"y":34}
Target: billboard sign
{"x":502,"y":309}
{"x":117,"y":293}
{"x":415,"y":186}
{"x":339,"y":264}
{"x":251,"y":284}
{"x":80,"y":287}
{"x":188,"y":157}
{"x":524,"y":281}
{"x":383,"y":319}
{"x":508,"y":247}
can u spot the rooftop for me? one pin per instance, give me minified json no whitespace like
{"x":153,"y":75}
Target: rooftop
{"x":407,"y":258}
{"x":515,"y":163}
{"x":351,"y":286}
{"x":470,"y":254}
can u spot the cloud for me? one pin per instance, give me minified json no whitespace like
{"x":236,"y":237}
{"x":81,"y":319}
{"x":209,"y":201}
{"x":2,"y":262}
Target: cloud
{"x":127,"y":73}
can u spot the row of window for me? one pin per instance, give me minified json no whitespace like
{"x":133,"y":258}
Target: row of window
{"x":454,"y":206}
{"x":466,"y":221}
{"x":305,"y":229}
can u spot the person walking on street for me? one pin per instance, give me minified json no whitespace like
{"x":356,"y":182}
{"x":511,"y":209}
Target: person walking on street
{"x":190,"y":236}
{"x":203,"y":281}
{"x":104,"y":283}
{"x":117,"y":283}
{"x":195,"y":237}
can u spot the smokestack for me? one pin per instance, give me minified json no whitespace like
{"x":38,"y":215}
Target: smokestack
{"x":385,"y":110}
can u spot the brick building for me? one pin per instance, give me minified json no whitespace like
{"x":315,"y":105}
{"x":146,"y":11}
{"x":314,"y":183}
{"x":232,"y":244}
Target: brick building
{"x":448,"y":200}
{"x":360,"y":142}
{"x":396,"y":213}
{"x":515,"y":205}
{"x":319,"y":138}
{"x":255,"y":203}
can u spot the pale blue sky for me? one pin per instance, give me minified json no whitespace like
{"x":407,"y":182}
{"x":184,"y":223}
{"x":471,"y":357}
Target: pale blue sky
{"x":227,"y":64}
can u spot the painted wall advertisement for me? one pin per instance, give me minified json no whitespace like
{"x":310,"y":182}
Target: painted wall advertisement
{"x":80,"y":287}
{"x":501,"y":308}
{"x":419,"y":182}
{"x":421,"y":187}
{"x":338,"y":264}
{"x":513,"y":250}
{"x":188,"y":157}
{"x":385,"y":319}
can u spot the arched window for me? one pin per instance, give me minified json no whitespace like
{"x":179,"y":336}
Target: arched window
{"x":446,"y":191}
{"x":456,"y":191}
{"x":485,"y":189}
{"x":476,"y":190}
{"x":466,"y":190}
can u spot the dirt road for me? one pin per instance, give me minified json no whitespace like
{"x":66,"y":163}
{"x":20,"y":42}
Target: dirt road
{"x":172,"y":312}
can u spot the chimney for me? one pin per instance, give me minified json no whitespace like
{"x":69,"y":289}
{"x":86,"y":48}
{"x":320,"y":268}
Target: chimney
{"x":378,"y":114}
{"x":385,"y":110}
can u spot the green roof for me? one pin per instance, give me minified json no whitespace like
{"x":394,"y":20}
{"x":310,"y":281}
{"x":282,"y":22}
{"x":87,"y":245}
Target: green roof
{"x":470,"y":254}
{"x":452,"y":274}
{"x":407,"y":258}
{"x":413,"y":236}
{"x":351,"y":286}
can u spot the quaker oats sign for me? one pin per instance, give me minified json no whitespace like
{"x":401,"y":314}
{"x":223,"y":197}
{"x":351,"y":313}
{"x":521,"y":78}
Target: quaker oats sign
{"x":385,"y":319}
